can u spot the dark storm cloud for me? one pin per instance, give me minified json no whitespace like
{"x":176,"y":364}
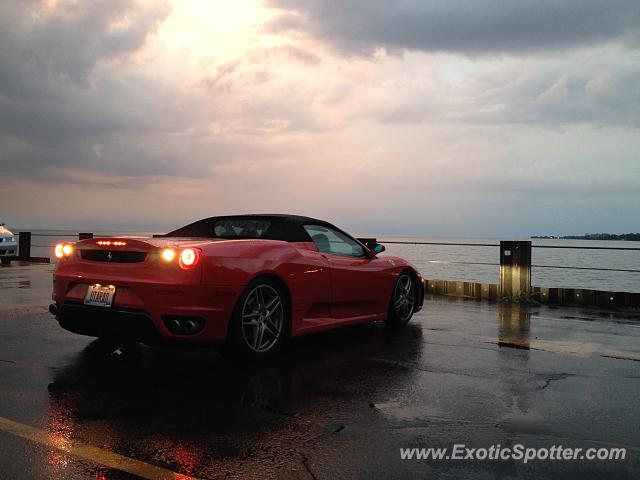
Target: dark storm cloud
{"x":69,"y":39}
{"x":464,"y":26}
{"x":53,"y":109}
{"x":73,"y":105}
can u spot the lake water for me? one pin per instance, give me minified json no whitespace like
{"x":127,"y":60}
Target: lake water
{"x":436,"y":262}
{"x":444,"y":262}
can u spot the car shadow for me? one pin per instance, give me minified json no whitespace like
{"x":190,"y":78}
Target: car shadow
{"x":204,"y":397}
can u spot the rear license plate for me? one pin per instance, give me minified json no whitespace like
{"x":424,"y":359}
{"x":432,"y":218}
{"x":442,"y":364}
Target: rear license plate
{"x":100,"y":295}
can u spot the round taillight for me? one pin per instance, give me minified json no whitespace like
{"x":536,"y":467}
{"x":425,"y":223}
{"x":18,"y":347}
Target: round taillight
{"x":63,"y":250}
{"x":188,"y":258}
{"x":168,"y":254}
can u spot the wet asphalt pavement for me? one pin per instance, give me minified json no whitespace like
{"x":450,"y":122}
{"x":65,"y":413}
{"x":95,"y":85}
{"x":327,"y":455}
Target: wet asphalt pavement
{"x":339,"y":404}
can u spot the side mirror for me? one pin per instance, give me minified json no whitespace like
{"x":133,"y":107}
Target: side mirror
{"x":375,"y":249}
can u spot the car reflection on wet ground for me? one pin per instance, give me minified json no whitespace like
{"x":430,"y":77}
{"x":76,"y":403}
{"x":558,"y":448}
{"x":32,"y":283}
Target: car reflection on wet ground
{"x":339,"y":404}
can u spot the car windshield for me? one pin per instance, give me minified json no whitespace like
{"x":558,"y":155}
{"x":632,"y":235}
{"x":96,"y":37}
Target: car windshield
{"x":240,"y":228}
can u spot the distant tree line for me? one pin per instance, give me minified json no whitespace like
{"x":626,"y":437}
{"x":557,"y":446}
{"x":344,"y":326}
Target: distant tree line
{"x":597,"y":236}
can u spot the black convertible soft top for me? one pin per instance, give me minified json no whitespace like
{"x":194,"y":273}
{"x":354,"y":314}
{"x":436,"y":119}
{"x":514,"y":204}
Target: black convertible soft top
{"x":289,"y":228}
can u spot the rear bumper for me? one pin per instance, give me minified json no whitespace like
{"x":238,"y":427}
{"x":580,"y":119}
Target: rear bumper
{"x":143,"y":311}
{"x":132,"y":324}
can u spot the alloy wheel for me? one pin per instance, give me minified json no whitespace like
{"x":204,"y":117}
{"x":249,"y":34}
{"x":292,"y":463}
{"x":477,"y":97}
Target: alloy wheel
{"x":262,"y":318}
{"x":404,"y":297}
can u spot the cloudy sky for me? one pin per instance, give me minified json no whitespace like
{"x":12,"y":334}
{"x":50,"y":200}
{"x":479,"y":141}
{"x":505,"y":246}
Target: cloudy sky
{"x":442,"y":117}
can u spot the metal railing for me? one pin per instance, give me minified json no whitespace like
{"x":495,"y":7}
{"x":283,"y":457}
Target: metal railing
{"x":25,"y":244}
{"x":515,"y":272}
{"x":568,"y":247}
{"x":515,"y":268}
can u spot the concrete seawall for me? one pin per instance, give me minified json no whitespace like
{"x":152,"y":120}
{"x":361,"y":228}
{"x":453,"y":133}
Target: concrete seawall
{"x":559,"y":296}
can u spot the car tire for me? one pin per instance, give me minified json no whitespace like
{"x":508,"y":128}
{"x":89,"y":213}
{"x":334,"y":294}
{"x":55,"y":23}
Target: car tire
{"x":6,"y":261}
{"x":403,"y":300}
{"x":260,"y":321}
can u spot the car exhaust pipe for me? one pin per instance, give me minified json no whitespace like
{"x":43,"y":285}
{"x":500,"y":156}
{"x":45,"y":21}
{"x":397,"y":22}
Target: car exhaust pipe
{"x":53,"y":309}
{"x":184,"y":325}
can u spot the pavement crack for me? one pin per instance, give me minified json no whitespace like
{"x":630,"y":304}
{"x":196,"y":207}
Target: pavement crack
{"x":8,"y":361}
{"x":554,"y":377}
{"x":305,"y":463}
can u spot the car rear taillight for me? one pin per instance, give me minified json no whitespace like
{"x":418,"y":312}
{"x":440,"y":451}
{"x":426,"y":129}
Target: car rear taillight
{"x":63,"y":250}
{"x":189,"y":258}
{"x":168,"y":255}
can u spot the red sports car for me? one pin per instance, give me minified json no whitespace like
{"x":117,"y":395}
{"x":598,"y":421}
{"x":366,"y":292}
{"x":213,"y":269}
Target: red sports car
{"x":251,"y":280}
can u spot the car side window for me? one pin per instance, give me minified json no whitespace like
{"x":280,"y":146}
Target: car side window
{"x":331,"y":241}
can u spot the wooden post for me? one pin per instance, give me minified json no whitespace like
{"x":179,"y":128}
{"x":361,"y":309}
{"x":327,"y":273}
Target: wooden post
{"x":24,"y":245}
{"x":84,"y":236}
{"x":515,"y":268}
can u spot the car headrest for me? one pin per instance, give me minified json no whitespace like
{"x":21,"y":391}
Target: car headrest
{"x":322,"y":242}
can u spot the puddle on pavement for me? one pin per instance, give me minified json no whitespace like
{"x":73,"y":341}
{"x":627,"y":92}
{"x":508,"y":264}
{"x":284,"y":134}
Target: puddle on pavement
{"x":515,"y":324}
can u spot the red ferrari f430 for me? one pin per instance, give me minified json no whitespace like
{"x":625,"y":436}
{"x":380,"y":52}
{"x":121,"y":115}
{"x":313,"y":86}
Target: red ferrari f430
{"x":250,"y":280}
